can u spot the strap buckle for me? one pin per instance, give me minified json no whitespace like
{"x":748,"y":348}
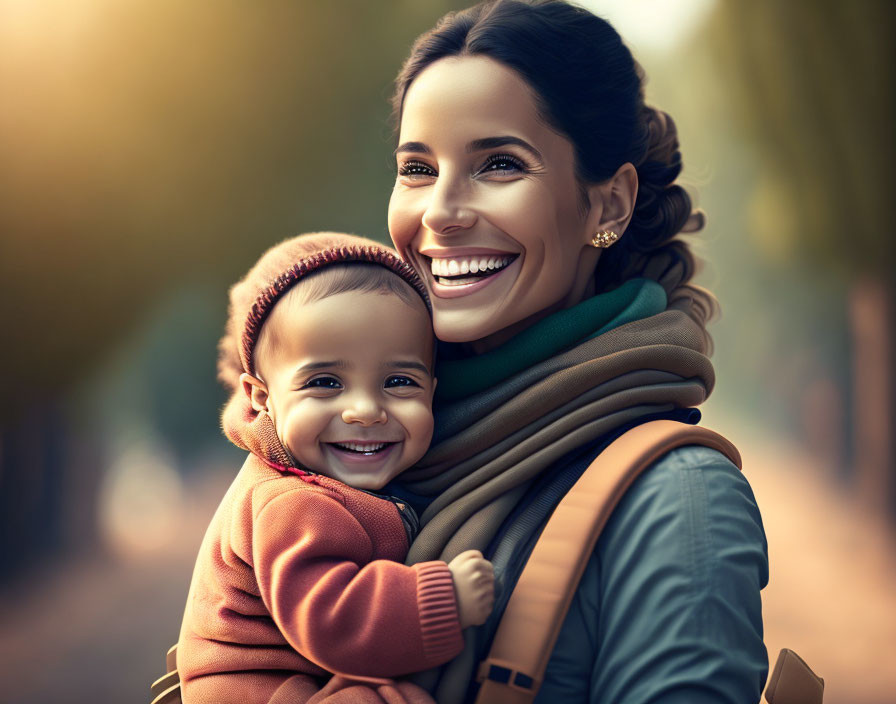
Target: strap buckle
{"x":505,"y":673}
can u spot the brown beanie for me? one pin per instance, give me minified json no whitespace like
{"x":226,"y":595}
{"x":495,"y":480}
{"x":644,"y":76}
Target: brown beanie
{"x":253,"y":298}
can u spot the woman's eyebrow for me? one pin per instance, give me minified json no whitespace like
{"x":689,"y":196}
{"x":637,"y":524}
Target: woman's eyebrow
{"x":418,"y":147}
{"x":476,"y":145}
{"x":494,"y":142}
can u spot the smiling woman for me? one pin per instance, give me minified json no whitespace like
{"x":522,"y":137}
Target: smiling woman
{"x":536,"y":196}
{"x":484,"y":180}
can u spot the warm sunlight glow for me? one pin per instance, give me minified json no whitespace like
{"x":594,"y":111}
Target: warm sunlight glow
{"x":653,"y":25}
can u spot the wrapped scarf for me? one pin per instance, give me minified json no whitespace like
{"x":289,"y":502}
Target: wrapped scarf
{"x":506,"y":416}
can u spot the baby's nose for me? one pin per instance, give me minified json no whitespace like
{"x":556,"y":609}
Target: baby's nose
{"x":364,"y":410}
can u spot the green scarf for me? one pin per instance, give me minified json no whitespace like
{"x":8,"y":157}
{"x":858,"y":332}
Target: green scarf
{"x":634,"y":300}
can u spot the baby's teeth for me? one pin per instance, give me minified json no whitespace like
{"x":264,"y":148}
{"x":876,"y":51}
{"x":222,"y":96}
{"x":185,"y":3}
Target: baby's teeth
{"x":364,"y":448}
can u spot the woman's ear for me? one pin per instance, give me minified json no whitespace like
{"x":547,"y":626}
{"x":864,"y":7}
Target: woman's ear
{"x":616,"y":197}
{"x":256,"y":390}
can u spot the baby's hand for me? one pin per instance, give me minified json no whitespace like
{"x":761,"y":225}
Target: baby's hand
{"x":474,"y":584}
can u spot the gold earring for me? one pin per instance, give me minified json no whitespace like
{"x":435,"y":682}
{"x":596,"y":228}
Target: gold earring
{"x":604,"y":239}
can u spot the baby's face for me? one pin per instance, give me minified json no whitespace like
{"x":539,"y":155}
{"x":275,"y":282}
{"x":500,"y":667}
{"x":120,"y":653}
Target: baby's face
{"x":350,"y":386}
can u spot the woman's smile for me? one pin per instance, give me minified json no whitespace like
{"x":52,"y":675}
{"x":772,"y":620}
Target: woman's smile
{"x":458,"y":272}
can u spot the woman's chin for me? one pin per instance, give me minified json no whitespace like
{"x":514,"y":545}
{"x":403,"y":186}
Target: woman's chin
{"x":487,"y":328}
{"x":481,"y":330}
{"x":462,"y":326}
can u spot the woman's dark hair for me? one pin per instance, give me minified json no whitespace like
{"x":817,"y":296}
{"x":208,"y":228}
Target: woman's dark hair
{"x":589,"y":88}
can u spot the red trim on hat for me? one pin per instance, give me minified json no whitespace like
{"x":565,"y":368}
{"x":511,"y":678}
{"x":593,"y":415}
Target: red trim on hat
{"x":265,"y":302}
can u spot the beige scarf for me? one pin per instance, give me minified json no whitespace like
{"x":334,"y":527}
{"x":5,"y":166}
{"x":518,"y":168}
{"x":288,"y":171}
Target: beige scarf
{"x":500,"y":439}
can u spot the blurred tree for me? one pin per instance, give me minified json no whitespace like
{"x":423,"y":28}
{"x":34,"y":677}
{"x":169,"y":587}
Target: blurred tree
{"x":813,"y":86}
{"x":147,"y":145}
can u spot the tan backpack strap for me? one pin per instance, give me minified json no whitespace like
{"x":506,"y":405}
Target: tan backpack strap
{"x":515,"y":667}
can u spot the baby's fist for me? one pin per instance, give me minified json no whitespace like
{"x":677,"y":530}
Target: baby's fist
{"x":474,"y":584}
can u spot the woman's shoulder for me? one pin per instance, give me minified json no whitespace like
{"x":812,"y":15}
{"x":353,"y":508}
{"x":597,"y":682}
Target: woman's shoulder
{"x":693,"y":501}
{"x":691,"y":461}
{"x":670,"y":596}
{"x":689,"y":480}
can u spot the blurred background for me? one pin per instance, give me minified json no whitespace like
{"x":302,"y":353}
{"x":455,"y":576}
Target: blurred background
{"x":151,"y":150}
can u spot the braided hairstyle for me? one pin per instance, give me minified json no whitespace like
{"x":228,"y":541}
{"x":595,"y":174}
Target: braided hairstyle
{"x":589,"y":88}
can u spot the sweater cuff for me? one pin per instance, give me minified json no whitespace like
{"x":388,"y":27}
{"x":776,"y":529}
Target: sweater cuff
{"x":437,"y":608}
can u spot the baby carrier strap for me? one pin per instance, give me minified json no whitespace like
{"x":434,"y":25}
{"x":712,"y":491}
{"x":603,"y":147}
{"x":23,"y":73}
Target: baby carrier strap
{"x":514,"y":669}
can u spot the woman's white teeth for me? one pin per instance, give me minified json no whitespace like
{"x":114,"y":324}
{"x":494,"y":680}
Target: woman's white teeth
{"x":467,"y":265}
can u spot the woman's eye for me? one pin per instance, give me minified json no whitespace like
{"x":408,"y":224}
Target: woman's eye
{"x":415,"y":169}
{"x":398,"y":380}
{"x":502,"y":164}
{"x":323,"y":382}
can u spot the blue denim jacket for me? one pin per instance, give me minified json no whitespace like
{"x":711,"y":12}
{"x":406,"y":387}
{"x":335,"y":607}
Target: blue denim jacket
{"x":668,"y":610}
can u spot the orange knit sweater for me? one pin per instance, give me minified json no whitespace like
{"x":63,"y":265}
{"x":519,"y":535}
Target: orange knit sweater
{"x":300,"y":575}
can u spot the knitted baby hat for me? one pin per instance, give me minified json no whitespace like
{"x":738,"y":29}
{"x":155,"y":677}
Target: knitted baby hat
{"x":253,"y":298}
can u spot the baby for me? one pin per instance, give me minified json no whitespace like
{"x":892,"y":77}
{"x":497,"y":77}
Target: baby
{"x":329,"y":355}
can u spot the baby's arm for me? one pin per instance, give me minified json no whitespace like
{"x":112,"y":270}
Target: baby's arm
{"x":335,"y":606}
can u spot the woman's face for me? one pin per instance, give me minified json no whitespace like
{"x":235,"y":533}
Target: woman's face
{"x":486,"y":204}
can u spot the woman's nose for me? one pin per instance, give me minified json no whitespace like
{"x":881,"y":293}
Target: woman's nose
{"x":364,"y":410}
{"x":448,"y":209}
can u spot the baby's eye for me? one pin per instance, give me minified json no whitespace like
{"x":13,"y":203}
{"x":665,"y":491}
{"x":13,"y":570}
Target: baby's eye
{"x":398,"y":380}
{"x":415,"y":169}
{"x":502,"y":164}
{"x":323,"y":382}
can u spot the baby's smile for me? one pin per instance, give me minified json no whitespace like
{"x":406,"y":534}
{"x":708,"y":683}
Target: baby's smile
{"x":364,"y":448}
